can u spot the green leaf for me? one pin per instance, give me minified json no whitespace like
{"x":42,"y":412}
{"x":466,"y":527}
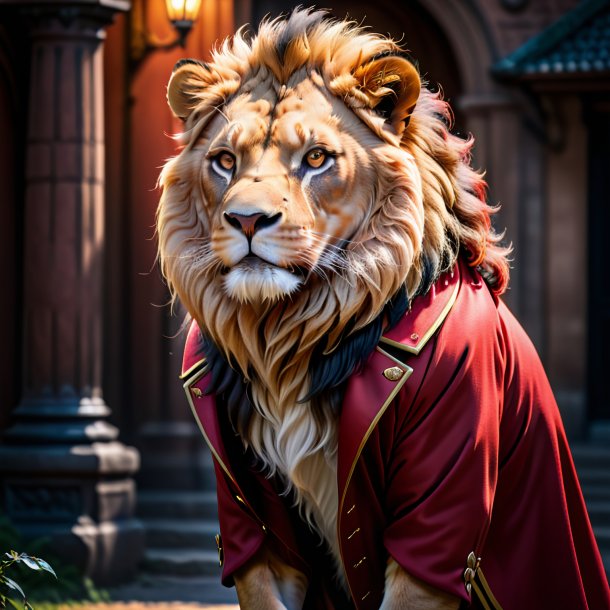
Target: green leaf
{"x":30,"y":562}
{"x":13,"y":585}
{"x":44,"y":565}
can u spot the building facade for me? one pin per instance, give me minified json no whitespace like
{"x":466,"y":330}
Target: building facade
{"x":90,"y":350}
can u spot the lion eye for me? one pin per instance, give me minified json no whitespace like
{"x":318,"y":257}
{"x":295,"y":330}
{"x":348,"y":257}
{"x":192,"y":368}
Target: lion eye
{"x":226,"y":160}
{"x":315,"y":158}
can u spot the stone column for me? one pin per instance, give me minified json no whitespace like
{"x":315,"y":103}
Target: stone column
{"x":64,"y":473}
{"x":512,"y":158}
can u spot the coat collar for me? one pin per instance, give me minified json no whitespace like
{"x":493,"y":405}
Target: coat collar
{"x":369,"y":392}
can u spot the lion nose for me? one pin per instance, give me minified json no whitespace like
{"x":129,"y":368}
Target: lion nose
{"x":249,"y":224}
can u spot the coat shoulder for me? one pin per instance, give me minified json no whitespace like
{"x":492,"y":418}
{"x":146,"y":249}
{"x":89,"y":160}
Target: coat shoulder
{"x":193,"y":358}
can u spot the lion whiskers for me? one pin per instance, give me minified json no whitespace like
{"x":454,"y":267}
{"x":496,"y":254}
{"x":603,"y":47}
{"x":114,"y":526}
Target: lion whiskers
{"x":200,"y":256}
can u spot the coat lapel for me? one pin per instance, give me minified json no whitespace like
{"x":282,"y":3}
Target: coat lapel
{"x":197,"y":379}
{"x":426,"y":316}
{"x":371,"y":391}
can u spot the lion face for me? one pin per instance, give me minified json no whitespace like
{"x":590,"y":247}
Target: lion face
{"x":316,"y":182}
{"x":288,"y":183}
{"x":293,"y":178}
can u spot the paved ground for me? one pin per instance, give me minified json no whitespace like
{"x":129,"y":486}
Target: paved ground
{"x":148,"y":606}
{"x":167,"y":593}
{"x":182,"y":590}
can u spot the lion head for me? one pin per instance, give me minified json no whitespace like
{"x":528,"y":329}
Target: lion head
{"x":318,"y":190}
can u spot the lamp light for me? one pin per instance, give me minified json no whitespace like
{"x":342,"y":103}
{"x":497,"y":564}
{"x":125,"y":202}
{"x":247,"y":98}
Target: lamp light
{"x":181,"y":13}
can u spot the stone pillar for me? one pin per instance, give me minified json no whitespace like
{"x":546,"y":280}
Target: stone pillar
{"x":64,"y":474}
{"x":512,"y":159}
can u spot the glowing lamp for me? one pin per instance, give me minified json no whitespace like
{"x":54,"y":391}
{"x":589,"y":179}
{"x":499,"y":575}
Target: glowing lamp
{"x":182,"y":14}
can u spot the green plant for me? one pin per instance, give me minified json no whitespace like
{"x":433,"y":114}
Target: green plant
{"x":44,"y":590}
{"x":9,"y":585}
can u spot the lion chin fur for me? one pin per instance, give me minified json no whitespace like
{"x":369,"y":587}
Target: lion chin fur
{"x":393,"y":205}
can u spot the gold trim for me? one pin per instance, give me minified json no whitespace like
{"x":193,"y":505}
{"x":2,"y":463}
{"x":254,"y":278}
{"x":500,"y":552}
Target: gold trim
{"x":220,"y":549}
{"x":384,"y":406}
{"x":495,"y":605}
{"x":480,"y":596}
{"x":433,"y":328}
{"x":192,"y":369}
{"x":400,"y":363}
{"x":189,"y":396}
{"x":187,"y":389}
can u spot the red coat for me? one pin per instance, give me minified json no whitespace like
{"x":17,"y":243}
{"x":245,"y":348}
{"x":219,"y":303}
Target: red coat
{"x":450,"y":442}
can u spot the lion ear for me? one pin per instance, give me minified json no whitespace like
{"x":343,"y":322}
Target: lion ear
{"x":391,"y":85}
{"x":188,"y":79}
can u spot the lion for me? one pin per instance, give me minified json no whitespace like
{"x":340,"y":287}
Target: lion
{"x":320,"y":204}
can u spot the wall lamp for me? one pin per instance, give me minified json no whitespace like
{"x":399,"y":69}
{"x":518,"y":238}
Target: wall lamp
{"x":181,"y":13}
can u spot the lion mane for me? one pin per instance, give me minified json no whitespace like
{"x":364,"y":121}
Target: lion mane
{"x":279,"y":362}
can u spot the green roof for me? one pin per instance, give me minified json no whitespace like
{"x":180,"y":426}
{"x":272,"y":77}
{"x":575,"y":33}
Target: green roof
{"x":578,"y":43}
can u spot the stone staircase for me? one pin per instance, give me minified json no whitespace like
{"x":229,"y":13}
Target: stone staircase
{"x":180,"y":530}
{"x":593,"y":466}
{"x":181,"y":526}
{"x":181,"y":549}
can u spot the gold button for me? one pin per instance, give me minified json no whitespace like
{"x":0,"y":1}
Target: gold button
{"x":473,"y":561}
{"x":470,"y":572}
{"x":394,"y":373}
{"x":197,"y":392}
{"x":414,"y":337}
{"x":220,"y":550}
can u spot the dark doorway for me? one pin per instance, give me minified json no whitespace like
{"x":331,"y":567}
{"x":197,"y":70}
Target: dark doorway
{"x":14,"y":76}
{"x":598,"y":116}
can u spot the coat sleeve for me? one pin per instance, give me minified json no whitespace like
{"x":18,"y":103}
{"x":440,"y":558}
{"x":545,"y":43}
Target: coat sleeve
{"x":444,"y":466}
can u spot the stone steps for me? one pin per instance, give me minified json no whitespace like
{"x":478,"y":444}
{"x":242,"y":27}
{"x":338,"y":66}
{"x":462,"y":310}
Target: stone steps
{"x":592,"y":463}
{"x":181,"y":534}
{"x":181,"y":525}
{"x":599,"y":513}
{"x":177,"y":504}
{"x":596,"y":493}
{"x":181,"y":562}
{"x":175,"y":589}
{"x":590,"y":455}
